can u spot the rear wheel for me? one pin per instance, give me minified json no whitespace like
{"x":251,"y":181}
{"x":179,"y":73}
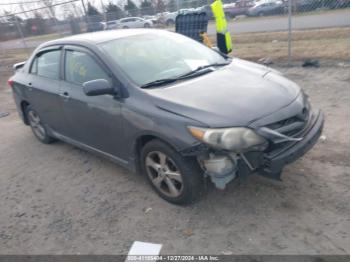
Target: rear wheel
{"x":170,"y":22}
{"x":176,"y":179}
{"x":229,"y":16}
{"x":37,"y":126}
{"x":147,"y":25}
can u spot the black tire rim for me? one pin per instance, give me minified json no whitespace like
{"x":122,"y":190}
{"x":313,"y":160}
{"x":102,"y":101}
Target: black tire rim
{"x":164,"y":174}
{"x":35,"y":123}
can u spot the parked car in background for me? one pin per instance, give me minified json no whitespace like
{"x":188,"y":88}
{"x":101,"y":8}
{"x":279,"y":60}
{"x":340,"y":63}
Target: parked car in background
{"x":152,"y":18}
{"x":263,"y":8}
{"x":187,"y":10}
{"x":168,"y":18}
{"x":167,"y":106}
{"x":239,"y":8}
{"x":305,"y":5}
{"x":206,"y":9}
{"x":133,"y":22}
{"x":110,"y":25}
{"x":95,"y":26}
{"x":337,"y":4}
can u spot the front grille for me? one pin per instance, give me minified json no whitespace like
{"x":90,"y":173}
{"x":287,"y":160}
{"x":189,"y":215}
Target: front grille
{"x":291,"y":127}
{"x":285,"y":126}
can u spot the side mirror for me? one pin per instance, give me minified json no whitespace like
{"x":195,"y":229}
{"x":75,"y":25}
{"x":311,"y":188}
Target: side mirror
{"x":98,"y":87}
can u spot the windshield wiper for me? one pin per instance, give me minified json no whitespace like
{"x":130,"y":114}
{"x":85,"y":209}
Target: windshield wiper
{"x":200,"y":68}
{"x":198,"y":71}
{"x":159,"y":82}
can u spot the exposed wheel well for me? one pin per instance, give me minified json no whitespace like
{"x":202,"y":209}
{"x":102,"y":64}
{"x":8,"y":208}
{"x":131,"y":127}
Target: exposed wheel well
{"x":24,"y":105}
{"x":140,"y":143}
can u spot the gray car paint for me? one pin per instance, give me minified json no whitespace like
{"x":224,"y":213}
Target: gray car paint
{"x":236,"y":95}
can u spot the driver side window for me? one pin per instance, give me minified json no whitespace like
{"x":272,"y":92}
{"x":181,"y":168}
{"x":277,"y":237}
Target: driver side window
{"x":80,"y":67}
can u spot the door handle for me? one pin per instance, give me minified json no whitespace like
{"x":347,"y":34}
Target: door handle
{"x":64,"y":95}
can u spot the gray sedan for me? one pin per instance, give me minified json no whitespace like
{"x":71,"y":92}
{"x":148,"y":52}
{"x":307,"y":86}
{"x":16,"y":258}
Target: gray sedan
{"x":166,"y":106}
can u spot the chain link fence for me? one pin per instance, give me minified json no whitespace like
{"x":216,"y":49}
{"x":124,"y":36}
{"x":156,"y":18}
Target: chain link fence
{"x":260,"y":29}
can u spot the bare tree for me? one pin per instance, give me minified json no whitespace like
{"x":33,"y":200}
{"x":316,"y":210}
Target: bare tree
{"x":21,"y":7}
{"x":48,"y":4}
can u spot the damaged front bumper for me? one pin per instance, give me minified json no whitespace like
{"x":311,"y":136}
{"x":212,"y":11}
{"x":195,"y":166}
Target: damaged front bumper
{"x":222,"y":166}
{"x":274,"y":161}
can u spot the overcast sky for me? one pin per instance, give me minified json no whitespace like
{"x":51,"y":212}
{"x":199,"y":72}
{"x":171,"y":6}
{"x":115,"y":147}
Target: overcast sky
{"x":60,"y":10}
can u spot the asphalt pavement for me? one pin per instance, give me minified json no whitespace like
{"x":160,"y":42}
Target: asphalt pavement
{"x":325,"y":19}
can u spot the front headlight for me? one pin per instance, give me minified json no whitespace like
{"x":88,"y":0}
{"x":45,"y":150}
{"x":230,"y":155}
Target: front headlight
{"x":237,"y":139}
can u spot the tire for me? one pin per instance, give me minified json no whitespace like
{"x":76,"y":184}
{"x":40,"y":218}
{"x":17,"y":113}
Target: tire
{"x":147,"y":25}
{"x":229,"y":16}
{"x":163,"y":167}
{"x":261,"y":14}
{"x":37,"y":126}
{"x":170,"y":22}
{"x":125,"y":27}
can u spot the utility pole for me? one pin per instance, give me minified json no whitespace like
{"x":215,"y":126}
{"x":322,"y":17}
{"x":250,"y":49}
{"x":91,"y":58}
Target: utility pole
{"x":21,"y":33}
{"x":83,"y":4}
{"x":85,"y":12}
{"x":289,"y":32}
{"x":104,"y":11}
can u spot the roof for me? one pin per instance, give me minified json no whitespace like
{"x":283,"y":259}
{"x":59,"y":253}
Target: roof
{"x":102,"y":36}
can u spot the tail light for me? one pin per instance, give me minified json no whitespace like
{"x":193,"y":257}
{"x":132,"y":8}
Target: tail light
{"x":10,"y":82}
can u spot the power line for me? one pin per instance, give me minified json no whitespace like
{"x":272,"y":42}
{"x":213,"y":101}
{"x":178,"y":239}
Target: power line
{"x":24,"y":2}
{"x":39,"y":8}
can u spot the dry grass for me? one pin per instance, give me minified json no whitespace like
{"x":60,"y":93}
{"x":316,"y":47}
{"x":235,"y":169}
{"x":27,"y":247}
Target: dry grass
{"x":333,"y":43}
{"x":9,"y":57}
{"x":46,"y":37}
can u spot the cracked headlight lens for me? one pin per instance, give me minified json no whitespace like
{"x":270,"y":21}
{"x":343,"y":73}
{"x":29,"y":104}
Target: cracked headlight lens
{"x":238,"y":139}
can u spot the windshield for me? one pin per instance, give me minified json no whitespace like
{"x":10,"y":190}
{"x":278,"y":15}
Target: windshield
{"x":153,"y":56}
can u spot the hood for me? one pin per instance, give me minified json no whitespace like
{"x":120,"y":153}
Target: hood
{"x":234,"y":95}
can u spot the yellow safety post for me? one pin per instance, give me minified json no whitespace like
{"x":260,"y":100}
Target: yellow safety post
{"x":224,"y":41}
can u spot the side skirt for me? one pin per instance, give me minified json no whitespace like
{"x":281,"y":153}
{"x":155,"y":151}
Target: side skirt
{"x":126,"y":164}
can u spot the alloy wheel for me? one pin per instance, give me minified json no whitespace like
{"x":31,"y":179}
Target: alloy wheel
{"x":35,"y":123}
{"x":164,"y":174}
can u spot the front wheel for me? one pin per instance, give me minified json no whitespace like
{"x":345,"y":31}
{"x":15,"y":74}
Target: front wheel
{"x":37,"y":126}
{"x":170,"y":22}
{"x":176,"y":179}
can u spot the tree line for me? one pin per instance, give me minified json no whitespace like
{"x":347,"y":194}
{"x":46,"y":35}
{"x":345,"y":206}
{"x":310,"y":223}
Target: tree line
{"x":147,"y":7}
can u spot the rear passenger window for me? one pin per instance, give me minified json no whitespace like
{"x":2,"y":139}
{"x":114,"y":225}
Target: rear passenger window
{"x":47,"y":64}
{"x":81,"y":67}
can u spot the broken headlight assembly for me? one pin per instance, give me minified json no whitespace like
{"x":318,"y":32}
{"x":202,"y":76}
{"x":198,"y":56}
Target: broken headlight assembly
{"x":236,"y":139}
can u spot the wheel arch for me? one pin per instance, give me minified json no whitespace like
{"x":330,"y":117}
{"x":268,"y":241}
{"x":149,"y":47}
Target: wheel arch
{"x":24,"y":105}
{"x":141,"y":141}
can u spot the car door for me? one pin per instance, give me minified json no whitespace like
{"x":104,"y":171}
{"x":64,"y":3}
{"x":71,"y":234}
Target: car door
{"x":94,"y":121}
{"x":132,"y":23}
{"x":139,"y":23}
{"x":44,"y":87}
{"x":272,"y":8}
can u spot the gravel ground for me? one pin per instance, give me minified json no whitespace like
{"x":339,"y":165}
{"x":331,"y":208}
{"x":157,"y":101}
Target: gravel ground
{"x":57,"y":199}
